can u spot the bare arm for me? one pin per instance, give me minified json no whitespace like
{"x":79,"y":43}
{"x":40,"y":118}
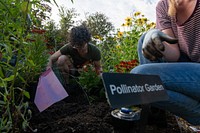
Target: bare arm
{"x":53,"y":58}
{"x":98,"y":68}
{"x":172,"y":52}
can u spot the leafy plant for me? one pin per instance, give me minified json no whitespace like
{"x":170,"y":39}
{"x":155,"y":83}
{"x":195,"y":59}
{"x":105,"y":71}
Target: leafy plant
{"x":22,"y":61}
{"x":91,"y":83}
{"x":122,"y":46}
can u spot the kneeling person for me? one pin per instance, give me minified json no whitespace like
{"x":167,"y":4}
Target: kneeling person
{"x":77,"y":53}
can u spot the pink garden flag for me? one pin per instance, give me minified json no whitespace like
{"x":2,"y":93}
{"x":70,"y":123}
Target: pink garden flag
{"x":49,"y":90}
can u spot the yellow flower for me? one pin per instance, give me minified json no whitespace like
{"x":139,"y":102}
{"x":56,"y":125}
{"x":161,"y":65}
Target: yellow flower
{"x":115,"y":38}
{"x":123,"y":24}
{"x":98,"y":37}
{"x":148,"y":26}
{"x":137,"y":14}
{"x":128,"y":19}
{"x":144,"y":19}
{"x":153,"y":25}
{"x":139,"y":21}
{"x":128,"y":23}
{"x":117,"y":46}
{"x":119,"y":34}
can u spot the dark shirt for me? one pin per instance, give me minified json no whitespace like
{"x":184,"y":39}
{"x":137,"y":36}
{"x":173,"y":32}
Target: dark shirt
{"x":93,"y":54}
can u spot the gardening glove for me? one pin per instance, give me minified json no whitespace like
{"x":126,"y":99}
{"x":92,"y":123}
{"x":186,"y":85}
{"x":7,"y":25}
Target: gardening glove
{"x":152,"y":44}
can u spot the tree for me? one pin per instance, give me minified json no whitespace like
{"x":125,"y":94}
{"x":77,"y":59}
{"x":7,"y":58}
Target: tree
{"x":98,"y":24}
{"x":67,"y":20}
{"x":52,"y":34}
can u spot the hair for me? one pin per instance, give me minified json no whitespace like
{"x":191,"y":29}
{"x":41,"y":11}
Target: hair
{"x":79,"y":35}
{"x":172,"y":8}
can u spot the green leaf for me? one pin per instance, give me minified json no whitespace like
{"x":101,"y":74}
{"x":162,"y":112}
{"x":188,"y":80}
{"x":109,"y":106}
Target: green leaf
{"x":5,"y":6}
{"x":1,"y":72}
{"x":24,"y":6}
{"x":2,"y":102}
{"x":26,"y":93}
{"x":55,"y":2}
{"x":24,"y":125}
{"x":31,"y":62}
{"x":9,"y":78}
{"x":24,"y":81}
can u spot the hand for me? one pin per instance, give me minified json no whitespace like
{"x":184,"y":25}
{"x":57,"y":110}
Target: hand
{"x":48,"y":67}
{"x":100,"y":75}
{"x":49,"y":64}
{"x":153,"y":46}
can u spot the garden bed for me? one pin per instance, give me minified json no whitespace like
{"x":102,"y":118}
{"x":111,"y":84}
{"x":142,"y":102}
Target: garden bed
{"x":75,"y":115}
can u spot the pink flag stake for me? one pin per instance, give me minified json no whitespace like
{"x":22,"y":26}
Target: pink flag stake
{"x":49,"y":90}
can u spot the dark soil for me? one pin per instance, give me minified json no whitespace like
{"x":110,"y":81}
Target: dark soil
{"x":74,"y":115}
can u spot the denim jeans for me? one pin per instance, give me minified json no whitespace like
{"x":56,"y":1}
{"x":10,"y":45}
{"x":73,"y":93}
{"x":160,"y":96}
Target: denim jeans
{"x":182,"y":82}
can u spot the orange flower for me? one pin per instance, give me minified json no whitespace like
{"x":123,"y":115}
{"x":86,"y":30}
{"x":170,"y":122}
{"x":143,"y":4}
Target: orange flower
{"x":126,"y":66}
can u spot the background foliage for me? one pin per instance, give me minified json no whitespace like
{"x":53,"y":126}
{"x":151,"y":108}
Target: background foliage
{"x":23,"y":58}
{"x":28,"y":38}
